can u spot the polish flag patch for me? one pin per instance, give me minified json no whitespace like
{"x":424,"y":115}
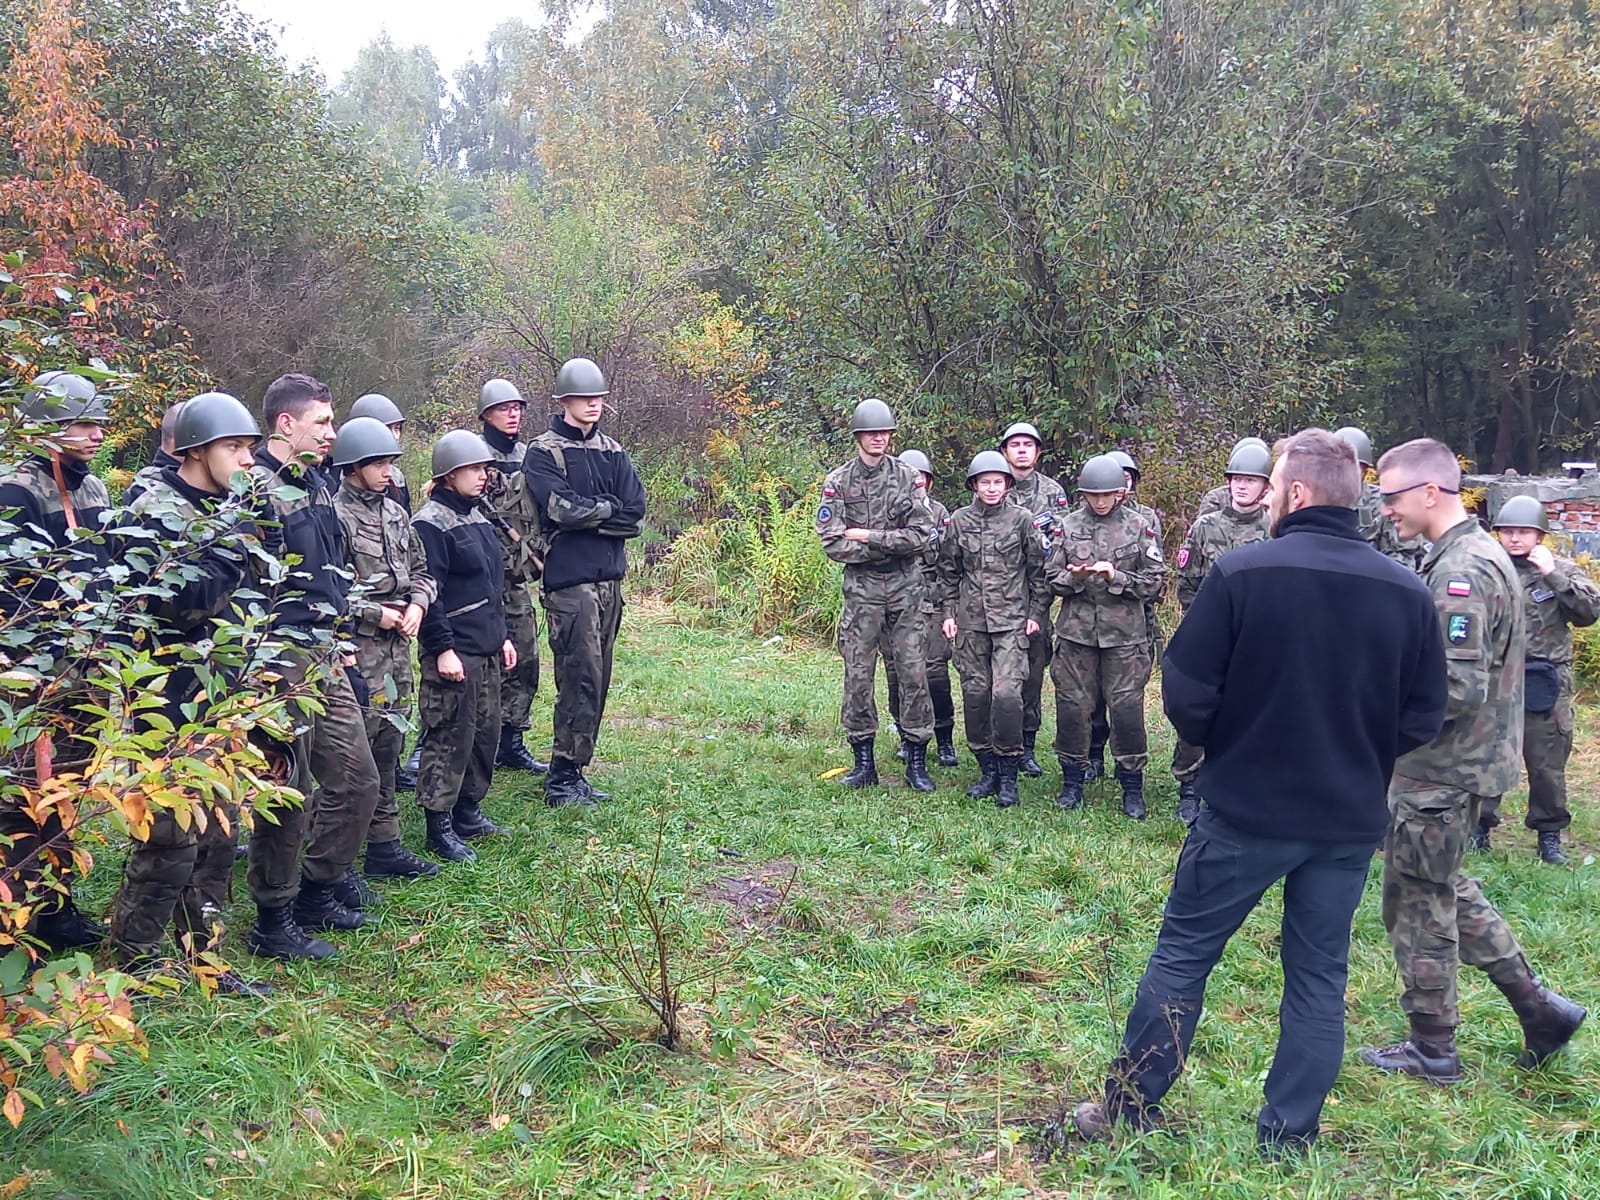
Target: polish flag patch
{"x":1458,"y":587}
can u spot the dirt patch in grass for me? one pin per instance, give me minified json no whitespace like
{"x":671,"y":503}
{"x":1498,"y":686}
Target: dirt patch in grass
{"x":756,"y":895}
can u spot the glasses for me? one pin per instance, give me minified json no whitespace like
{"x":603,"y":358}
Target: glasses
{"x":1390,"y":497}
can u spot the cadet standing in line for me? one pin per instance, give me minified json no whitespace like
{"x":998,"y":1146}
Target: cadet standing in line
{"x":465,"y":643}
{"x":1210,"y":537}
{"x":995,"y":598}
{"x":1560,"y":596}
{"x":384,"y":552}
{"x":1438,"y":918}
{"x":944,"y":709}
{"x":1221,"y":496}
{"x":516,"y":523}
{"x":1377,"y":528}
{"x":1047,"y":501}
{"x":875,"y":519}
{"x":590,"y":501}
{"x":380,"y":408}
{"x":180,"y":875}
{"x":1106,"y":564}
{"x":164,"y":457}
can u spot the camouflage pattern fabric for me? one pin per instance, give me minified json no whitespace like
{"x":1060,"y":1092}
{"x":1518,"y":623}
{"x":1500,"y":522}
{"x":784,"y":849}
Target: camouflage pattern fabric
{"x":939,"y":649}
{"x":1210,"y":537}
{"x":1043,"y":497}
{"x":520,"y":535}
{"x":1381,"y":532}
{"x":1217,"y":499}
{"x":460,"y":732}
{"x":583,"y":622}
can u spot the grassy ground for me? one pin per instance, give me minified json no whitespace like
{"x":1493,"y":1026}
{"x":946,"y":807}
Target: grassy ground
{"x":940,"y":977}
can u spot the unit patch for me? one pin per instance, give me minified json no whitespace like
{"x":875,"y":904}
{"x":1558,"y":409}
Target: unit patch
{"x":1183,"y":557}
{"x":824,"y":514}
{"x":1458,"y":628}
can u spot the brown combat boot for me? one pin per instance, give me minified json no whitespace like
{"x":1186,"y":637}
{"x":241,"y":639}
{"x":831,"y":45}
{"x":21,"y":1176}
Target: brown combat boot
{"x":1429,"y":1053}
{"x":1548,"y":1020}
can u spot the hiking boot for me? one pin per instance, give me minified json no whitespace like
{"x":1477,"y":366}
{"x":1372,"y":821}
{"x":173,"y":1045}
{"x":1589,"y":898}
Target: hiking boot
{"x":391,"y":860}
{"x":444,"y":841}
{"x":1096,"y":768}
{"x":1030,"y":765}
{"x":989,"y":782}
{"x":1550,"y":848}
{"x":1478,"y":839}
{"x":470,"y":822}
{"x":317,"y":907}
{"x":590,"y":790}
{"x":354,"y":892}
{"x":1426,"y":1054}
{"x":1007,"y":796}
{"x":1132,"y":793}
{"x":917,"y":777}
{"x":865,"y":772}
{"x":67,"y":928}
{"x":1548,"y":1020}
{"x":514,"y":755}
{"x":230,"y":983}
{"x":276,"y":934}
{"x":564,"y":786}
{"x":1188,"y":802}
{"x":1071,"y":794}
{"x":945,"y":739}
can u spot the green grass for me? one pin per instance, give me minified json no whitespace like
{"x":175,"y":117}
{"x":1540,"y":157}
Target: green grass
{"x":942,"y":976}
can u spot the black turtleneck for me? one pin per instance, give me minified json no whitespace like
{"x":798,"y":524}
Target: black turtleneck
{"x":503,"y":442}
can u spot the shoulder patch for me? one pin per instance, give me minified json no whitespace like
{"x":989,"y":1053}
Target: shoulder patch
{"x":922,"y":480}
{"x":824,"y":514}
{"x":1153,"y":552}
{"x":1458,"y":587}
{"x":1540,"y":595}
{"x":1183,"y":558}
{"x":1458,"y":628}
{"x":1061,"y":500}
{"x":1042,"y":520}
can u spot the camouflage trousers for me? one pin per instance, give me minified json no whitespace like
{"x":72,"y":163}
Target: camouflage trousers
{"x":385,"y":662}
{"x":177,"y":877}
{"x":520,"y":684}
{"x":1438,"y":918}
{"x":993,"y":669}
{"x":333,"y":761}
{"x":460,"y":732}
{"x":1186,"y":760}
{"x":1081,"y":675}
{"x":896,"y":622}
{"x":937,"y":665}
{"x":1546,"y":746}
{"x":1040,"y":649}
{"x":582,"y":623}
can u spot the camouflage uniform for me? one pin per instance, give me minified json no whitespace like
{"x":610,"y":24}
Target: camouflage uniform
{"x":399,"y":490}
{"x":883,"y":588}
{"x":1555,"y":603}
{"x":1210,"y":537}
{"x":939,"y":650}
{"x":386,"y":556}
{"x":1216,"y":500}
{"x":518,"y":521}
{"x":991,"y":568}
{"x":1436,"y":917}
{"x":1047,"y":500}
{"x":1102,"y":632}
{"x":1099,"y":722}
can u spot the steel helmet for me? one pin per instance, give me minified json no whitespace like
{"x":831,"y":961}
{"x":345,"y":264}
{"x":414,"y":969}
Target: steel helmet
{"x":64,"y":397}
{"x":1102,"y":473}
{"x":916,"y":460}
{"x":580,"y":377}
{"x":872,"y":416}
{"x":458,"y":448}
{"x":379,"y":407}
{"x":498,"y":391}
{"x":1021,"y":429}
{"x":1125,"y":461}
{"x":1251,"y":441}
{"x":1522,"y":512}
{"x":210,"y":417}
{"x":985,"y":461}
{"x":1250,"y":460}
{"x":361,"y":438}
{"x":1357,"y":441}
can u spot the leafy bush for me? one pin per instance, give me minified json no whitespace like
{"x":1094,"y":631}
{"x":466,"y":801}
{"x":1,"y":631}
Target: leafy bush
{"x":1586,"y":642}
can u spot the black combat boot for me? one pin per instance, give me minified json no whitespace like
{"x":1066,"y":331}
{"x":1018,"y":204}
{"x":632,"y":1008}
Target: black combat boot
{"x":317,"y":907}
{"x":470,"y":822}
{"x":444,"y":841}
{"x":276,"y":934}
{"x":917,"y":777}
{"x":1096,"y":768}
{"x":1030,"y":765}
{"x":1132,"y":793}
{"x":865,"y":772}
{"x":901,"y":751}
{"x":564,"y":786}
{"x":1550,"y":848}
{"x":1071,"y":794}
{"x":354,"y":892}
{"x":514,"y":754}
{"x":945,"y":738}
{"x":1188,"y":802}
{"x":989,"y":782}
{"x":1478,"y":839}
{"x":1548,"y":1020}
{"x":405,"y":776}
{"x":66,"y":928}
{"x":1006,"y":795}
{"x":230,"y":983}
{"x":590,"y":790}
{"x":391,"y":860}
{"x":1429,"y":1053}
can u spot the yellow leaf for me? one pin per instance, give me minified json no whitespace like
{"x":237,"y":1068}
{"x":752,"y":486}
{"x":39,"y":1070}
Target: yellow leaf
{"x":833,"y":773}
{"x":12,"y":1108}
{"x":499,"y":1121}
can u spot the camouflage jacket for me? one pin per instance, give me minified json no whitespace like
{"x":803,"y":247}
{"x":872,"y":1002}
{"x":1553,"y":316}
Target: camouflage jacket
{"x":40,"y":516}
{"x":147,"y":475}
{"x":513,"y":513}
{"x":991,"y":568}
{"x":930,"y":557}
{"x":1217,"y":499}
{"x":1554,"y":604}
{"x":1096,"y":611}
{"x":891,"y":501}
{"x":1210,"y":537}
{"x":1043,"y":497}
{"x":1480,"y":606}
{"x":382,"y":548}
{"x":1153,"y":519}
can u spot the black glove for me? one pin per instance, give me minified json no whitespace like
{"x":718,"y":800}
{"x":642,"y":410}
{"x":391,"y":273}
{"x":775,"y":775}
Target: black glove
{"x":358,"y":685}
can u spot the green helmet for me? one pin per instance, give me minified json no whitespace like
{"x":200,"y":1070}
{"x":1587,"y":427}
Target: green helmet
{"x":361,"y":438}
{"x":1522,"y":512}
{"x":65,"y":398}
{"x":458,"y":448}
{"x":985,"y":461}
{"x":498,"y":391}
{"x":872,"y":416}
{"x":210,"y":417}
{"x":1357,"y":441}
{"x":1125,"y":461}
{"x":1102,"y":473}
{"x":1021,"y":429}
{"x":379,"y":407}
{"x":916,"y":460}
{"x":1250,"y":460}
{"x":1250,"y":441}
{"x":580,"y":377}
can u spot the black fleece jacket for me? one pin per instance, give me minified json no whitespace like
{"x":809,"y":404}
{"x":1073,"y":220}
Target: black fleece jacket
{"x":589,"y":504}
{"x":316,"y":593}
{"x":1307,"y":664}
{"x":469,"y":616}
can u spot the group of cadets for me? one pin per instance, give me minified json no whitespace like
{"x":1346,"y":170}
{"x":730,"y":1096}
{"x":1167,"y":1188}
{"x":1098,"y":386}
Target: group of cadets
{"x":370,"y":585}
{"x":924,"y":586}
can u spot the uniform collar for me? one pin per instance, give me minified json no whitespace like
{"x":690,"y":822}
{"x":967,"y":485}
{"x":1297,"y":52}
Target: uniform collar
{"x":361,"y":495}
{"x":1450,"y":537}
{"x":502,"y":442}
{"x":454,"y":500}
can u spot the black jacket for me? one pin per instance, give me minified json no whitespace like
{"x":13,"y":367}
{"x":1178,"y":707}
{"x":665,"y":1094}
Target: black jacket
{"x":315,"y":593}
{"x":590,"y":500}
{"x":464,"y":559}
{"x":1307,"y":664}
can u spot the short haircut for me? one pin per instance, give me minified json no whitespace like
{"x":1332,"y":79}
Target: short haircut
{"x":169,"y":424}
{"x":292,"y":394}
{"x":1424,"y":460}
{"x":1325,"y":465}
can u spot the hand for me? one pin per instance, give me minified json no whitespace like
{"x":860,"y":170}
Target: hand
{"x":857,"y":535}
{"x":1541,"y":557}
{"x":349,"y":660}
{"x":1031,"y":628}
{"x":411,"y":620}
{"x":449,"y":664}
{"x":508,"y":654}
{"x":1103,"y":568}
{"x":949,"y":628}
{"x":389,"y":616}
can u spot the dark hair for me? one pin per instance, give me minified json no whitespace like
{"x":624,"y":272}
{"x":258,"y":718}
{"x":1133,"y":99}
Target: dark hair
{"x":169,"y":424}
{"x":292,"y":394}
{"x":1324,"y":464}
{"x":1424,"y":460}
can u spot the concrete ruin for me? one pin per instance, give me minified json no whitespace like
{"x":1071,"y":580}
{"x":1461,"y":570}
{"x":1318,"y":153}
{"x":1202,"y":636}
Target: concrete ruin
{"x":1571,"y":502}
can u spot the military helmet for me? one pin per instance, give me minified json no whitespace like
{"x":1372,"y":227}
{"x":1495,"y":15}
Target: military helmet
{"x":1102,"y":473}
{"x":1250,"y":460}
{"x":1021,"y":429}
{"x":379,"y":407}
{"x":498,"y":391}
{"x":985,"y":461}
{"x":458,"y":448}
{"x":580,"y":377}
{"x":1251,"y":441}
{"x":1522,"y":512}
{"x":916,"y":460}
{"x":1357,"y":441}
{"x":361,"y":438}
{"x":66,"y":398}
{"x":1125,"y":461}
{"x":210,"y":417}
{"x":872,"y":416}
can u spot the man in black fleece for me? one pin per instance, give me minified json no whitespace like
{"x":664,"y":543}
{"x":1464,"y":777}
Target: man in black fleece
{"x":1306,"y":665}
{"x":590,"y":501}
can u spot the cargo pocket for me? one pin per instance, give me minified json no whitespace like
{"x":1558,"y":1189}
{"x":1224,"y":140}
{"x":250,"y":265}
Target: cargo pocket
{"x":1428,"y":835}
